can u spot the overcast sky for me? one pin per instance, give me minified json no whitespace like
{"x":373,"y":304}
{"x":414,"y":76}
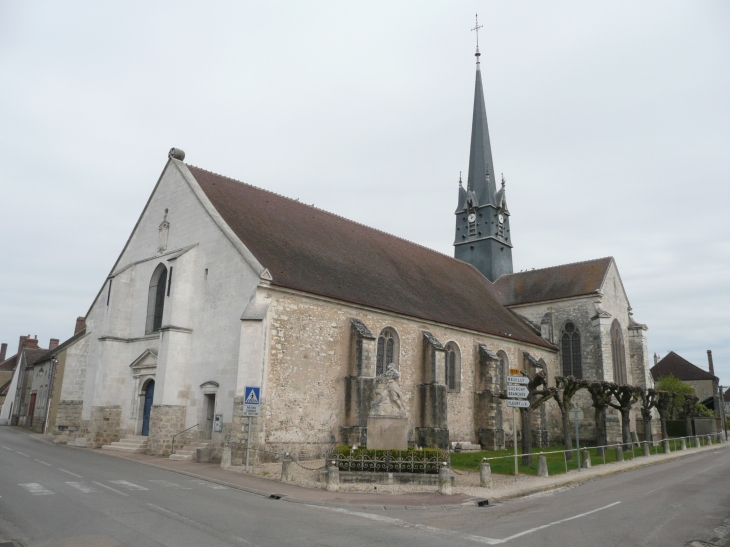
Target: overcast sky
{"x":610,"y":121}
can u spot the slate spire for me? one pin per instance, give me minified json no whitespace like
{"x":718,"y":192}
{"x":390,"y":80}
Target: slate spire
{"x":481,"y":179}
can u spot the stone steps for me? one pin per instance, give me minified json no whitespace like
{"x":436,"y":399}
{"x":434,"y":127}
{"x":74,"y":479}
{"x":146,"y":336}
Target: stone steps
{"x":189,"y":452}
{"x":133,"y":444}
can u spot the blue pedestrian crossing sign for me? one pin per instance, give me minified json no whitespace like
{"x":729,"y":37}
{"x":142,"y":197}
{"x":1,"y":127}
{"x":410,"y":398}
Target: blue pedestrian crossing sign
{"x":252,"y":396}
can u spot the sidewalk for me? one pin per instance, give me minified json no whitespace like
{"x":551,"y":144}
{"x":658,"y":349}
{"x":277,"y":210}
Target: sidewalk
{"x":466,"y":495}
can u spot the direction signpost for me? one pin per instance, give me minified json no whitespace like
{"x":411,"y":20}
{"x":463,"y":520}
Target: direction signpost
{"x":251,"y":408}
{"x":517,"y":392}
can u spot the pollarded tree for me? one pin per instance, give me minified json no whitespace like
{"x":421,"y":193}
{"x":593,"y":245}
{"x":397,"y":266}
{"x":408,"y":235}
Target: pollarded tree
{"x":664,"y":404}
{"x":601,"y":394}
{"x":567,"y":387}
{"x":689,"y":410}
{"x":625,"y":396}
{"x":648,"y":402}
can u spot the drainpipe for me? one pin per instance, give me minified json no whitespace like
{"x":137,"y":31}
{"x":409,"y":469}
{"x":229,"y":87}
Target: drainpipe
{"x":49,"y":392}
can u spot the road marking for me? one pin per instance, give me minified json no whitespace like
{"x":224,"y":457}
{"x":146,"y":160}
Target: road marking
{"x":26,"y":455}
{"x":129,"y":485}
{"x":110,"y":488}
{"x":212,"y":485}
{"x":36,"y":489}
{"x":69,"y":472}
{"x":469,"y":537}
{"x":44,"y":463}
{"x":652,"y":491}
{"x":197,"y":524}
{"x":7,"y":448}
{"x":168,"y":484}
{"x":81,"y":486}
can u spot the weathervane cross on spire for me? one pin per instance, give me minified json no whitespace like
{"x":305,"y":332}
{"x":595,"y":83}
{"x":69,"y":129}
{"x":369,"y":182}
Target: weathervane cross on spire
{"x":476,"y":28}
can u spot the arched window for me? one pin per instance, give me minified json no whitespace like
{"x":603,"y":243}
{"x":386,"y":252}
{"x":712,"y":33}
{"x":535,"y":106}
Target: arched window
{"x":503,"y":369}
{"x":618,"y":353}
{"x":453,"y":367}
{"x":156,"y":299}
{"x":387,"y":350}
{"x":570,"y":353}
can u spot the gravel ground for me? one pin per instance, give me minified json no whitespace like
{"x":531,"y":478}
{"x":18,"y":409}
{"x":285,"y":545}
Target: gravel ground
{"x":465,"y":482}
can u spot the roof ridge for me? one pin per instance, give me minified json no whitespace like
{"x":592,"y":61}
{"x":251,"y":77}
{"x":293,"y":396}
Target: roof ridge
{"x":557,"y":266}
{"x":329,"y":213}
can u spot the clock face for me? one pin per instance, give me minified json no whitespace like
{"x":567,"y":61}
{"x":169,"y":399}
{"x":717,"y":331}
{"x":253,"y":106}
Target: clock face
{"x":501,"y":218}
{"x":472,"y":217}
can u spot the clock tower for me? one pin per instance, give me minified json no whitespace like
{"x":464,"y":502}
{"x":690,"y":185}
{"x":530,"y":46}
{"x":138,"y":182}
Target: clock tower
{"x":482,"y":219}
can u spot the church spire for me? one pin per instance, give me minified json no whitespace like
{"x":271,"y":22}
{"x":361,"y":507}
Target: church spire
{"x":481,"y":169}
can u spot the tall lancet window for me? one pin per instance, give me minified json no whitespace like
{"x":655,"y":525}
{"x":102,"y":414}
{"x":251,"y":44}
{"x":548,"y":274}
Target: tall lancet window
{"x":570,"y":353}
{"x":388,"y":348}
{"x":156,"y":299}
{"x":453,"y":367}
{"x":618,"y":353}
{"x":164,"y":230}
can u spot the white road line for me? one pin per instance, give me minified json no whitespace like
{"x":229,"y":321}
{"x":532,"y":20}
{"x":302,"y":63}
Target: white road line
{"x":195,"y":524}
{"x":36,"y":489}
{"x":212,"y":485}
{"x":168,"y":484}
{"x":129,"y":485}
{"x":449,"y":533}
{"x":81,"y":486}
{"x":19,"y":452}
{"x":110,"y":488}
{"x":69,"y":472}
{"x":7,"y":448}
{"x":44,"y":463}
{"x":651,"y":491}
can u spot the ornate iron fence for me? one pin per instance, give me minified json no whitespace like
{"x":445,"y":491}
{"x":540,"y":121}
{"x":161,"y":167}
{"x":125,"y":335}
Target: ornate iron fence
{"x":391,"y":461}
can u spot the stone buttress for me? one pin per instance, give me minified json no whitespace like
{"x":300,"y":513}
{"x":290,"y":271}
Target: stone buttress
{"x":487,"y":405}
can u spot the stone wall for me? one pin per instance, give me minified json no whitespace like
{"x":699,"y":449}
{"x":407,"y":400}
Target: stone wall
{"x":165,"y":421}
{"x":68,"y":421}
{"x":104,"y":426}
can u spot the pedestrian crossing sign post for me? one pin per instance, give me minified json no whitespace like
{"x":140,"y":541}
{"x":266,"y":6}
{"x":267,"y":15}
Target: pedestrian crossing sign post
{"x":251,"y":406}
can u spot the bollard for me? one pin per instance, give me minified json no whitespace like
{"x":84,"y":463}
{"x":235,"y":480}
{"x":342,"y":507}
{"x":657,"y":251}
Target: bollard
{"x":619,"y":453}
{"x":485,"y":474}
{"x":719,"y":438}
{"x":586,"y":459}
{"x":542,"y":470}
{"x":682,"y":444}
{"x":665,"y":446}
{"x":226,"y":457}
{"x":709,"y":440}
{"x":634,"y":438}
{"x":697,"y":442}
{"x":647,"y":450}
{"x":333,"y":478}
{"x":445,"y":481}
{"x":286,"y":469}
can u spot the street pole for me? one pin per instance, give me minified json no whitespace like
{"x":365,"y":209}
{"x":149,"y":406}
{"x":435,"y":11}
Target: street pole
{"x":248,"y":442}
{"x":577,"y":438}
{"x":514,"y":427}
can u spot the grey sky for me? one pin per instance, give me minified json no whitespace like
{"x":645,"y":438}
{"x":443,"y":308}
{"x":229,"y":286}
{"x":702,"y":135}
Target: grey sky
{"x":610,"y":122}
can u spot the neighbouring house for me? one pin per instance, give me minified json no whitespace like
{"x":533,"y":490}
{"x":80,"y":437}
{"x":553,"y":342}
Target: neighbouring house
{"x":351,"y":334}
{"x":20,"y":395}
{"x":704,"y":383}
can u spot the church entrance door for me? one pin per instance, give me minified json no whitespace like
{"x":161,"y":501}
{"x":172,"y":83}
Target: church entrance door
{"x":148,"y":396}
{"x":209,"y":415}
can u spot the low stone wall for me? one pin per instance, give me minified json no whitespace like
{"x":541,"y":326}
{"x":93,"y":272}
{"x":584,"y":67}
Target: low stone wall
{"x":359,"y":477}
{"x":165,"y":421}
{"x":104,"y":426}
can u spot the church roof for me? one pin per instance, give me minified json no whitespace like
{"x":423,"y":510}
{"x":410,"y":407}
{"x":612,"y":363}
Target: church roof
{"x":317,"y":252}
{"x":555,"y":283}
{"x":674,"y":365}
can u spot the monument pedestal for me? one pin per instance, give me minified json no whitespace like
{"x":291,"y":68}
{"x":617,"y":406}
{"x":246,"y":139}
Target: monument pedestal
{"x":387,"y":433}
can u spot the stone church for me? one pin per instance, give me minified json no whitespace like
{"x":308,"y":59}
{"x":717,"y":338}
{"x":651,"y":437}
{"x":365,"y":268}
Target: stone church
{"x":354,"y":335}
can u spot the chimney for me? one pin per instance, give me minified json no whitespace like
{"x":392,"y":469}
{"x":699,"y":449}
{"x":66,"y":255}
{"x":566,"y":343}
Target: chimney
{"x":22,"y":342}
{"x":709,"y":360}
{"x":53,"y":344}
{"x":31,"y":343}
{"x":3,"y":351}
{"x":656,"y":359}
{"x":80,"y":325}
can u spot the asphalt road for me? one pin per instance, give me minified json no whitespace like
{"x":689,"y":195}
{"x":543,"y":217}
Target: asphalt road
{"x":62,"y":497}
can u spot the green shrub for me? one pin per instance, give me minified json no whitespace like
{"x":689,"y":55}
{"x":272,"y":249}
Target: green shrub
{"x":427,"y":460}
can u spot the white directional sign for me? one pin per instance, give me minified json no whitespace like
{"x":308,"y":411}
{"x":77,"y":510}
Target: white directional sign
{"x":518,"y":380}
{"x":517,"y":392}
{"x":517,"y":403}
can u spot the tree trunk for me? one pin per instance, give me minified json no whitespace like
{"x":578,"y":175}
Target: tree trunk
{"x":600,"y":430}
{"x":567,"y":438}
{"x":626,"y":428}
{"x":664,"y":429}
{"x":688,"y":426}
{"x":647,"y":428}
{"x":526,"y":415}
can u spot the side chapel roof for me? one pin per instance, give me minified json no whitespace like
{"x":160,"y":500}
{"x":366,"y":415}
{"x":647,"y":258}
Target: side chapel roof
{"x":674,"y":365}
{"x":554,"y":283}
{"x":310,"y":250}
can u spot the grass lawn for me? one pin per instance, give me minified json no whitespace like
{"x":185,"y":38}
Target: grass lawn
{"x":555,"y":462}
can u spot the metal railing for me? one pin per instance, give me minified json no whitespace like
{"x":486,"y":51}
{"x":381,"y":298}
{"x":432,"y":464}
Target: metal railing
{"x":655,"y":444}
{"x":176,"y":434}
{"x":391,"y":461}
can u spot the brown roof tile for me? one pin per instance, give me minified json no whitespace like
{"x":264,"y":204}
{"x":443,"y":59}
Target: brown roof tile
{"x":9,"y":363}
{"x":317,"y":252}
{"x":674,"y":365}
{"x":555,"y":283}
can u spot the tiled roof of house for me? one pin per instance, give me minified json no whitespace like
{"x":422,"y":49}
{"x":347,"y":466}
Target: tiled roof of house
{"x":9,"y":363}
{"x":555,"y":283}
{"x":58,"y":349}
{"x":5,"y":387}
{"x":32,"y":355}
{"x":674,"y":365}
{"x":310,"y":250}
